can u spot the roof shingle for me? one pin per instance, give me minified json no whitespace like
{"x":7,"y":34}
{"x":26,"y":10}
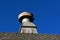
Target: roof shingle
{"x":23,"y":36}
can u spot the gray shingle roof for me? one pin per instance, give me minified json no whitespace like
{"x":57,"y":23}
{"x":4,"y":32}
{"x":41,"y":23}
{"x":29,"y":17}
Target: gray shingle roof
{"x":22,"y":36}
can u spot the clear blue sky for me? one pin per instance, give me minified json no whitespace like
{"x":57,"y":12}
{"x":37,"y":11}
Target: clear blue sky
{"x":46,"y":14}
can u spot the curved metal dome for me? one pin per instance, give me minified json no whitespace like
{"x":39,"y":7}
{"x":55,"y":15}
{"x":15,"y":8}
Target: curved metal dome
{"x":23,"y":15}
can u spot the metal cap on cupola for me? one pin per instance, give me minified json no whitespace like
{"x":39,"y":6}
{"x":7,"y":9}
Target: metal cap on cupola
{"x":25,"y":15}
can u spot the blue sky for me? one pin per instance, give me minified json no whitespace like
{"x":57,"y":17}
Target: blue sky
{"x":46,"y":14}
